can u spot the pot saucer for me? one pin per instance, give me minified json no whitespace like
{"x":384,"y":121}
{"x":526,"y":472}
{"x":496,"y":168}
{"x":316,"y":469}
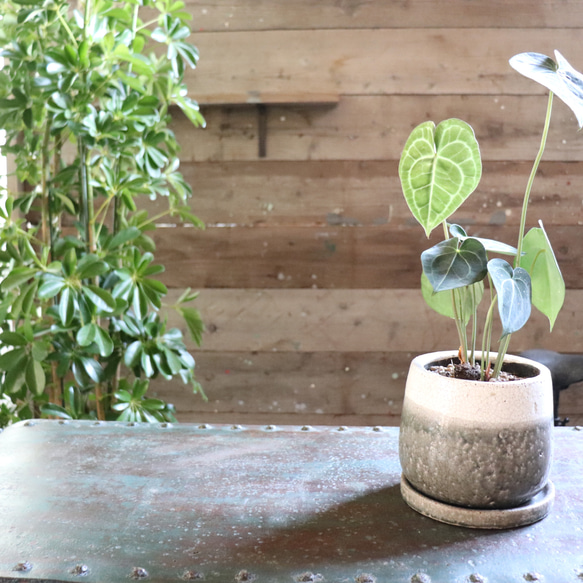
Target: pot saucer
{"x":534,"y":510}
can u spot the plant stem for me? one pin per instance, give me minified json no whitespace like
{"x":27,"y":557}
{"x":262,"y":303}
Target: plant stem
{"x":531,"y":179}
{"x":503,"y":348}
{"x":501,"y":354}
{"x":45,"y":173}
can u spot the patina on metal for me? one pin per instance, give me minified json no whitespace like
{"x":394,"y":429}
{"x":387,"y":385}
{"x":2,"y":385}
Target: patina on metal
{"x":112,"y":502}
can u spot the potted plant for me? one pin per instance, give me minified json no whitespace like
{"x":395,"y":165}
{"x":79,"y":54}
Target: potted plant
{"x":476,"y":431}
{"x":85,"y":99}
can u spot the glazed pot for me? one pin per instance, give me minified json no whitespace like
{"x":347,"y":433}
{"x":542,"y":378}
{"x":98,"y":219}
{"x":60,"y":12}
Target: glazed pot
{"x":478,"y":445}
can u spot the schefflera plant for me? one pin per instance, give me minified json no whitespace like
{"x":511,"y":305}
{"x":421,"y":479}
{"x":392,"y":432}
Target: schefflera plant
{"x":439,"y":168}
{"x":86,"y":98}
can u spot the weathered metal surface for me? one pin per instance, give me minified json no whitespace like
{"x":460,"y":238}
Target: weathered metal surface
{"x":114,"y":503}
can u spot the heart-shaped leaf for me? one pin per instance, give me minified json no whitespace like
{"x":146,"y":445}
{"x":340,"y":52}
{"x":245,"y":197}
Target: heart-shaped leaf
{"x":559,"y":77}
{"x":454,"y":263}
{"x":439,"y":168}
{"x":548,"y":286}
{"x":514,"y":294}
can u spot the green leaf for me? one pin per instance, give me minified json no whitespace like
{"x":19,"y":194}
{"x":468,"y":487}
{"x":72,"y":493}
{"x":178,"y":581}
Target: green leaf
{"x":92,"y":368}
{"x":100,"y":298}
{"x":194,"y":323}
{"x":133,"y":354}
{"x":104,"y":342}
{"x":91,"y":266}
{"x":559,"y":77}
{"x":12,"y":339}
{"x":548,"y":286}
{"x":86,"y":334}
{"x":439,"y":168}
{"x":490,"y":245}
{"x":35,"y":377}
{"x":13,"y":359}
{"x":16,"y":277}
{"x":50,"y":287}
{"x":514,"y":294}
{"x":67,"y":306}
{"x":53,"y":410}
{"x":442,"y":302}
{"x":449,"y":264}
{"x":70,"y":262}
{"x":124,"y":236}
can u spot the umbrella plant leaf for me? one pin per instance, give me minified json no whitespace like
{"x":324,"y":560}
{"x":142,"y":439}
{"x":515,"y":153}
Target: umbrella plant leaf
{"x":548,"y":286}
{"x":559,"y":77}
{"x":454,"y":263}
{"x":514,"y":294}
{"x":439,"y":168}
{"x":86,"y":334}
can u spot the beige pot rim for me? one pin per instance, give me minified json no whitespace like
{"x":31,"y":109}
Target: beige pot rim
{"x":477,"y":402}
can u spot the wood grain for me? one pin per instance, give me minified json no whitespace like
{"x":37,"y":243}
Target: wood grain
{"x":508,"y":128}
{"x":324,"y":257}
{"x":284,"y":383}
{"x":232,"y":15}
{"x":344,"y":320}
{"x":436,"y":61}
{"x":320,"y":193}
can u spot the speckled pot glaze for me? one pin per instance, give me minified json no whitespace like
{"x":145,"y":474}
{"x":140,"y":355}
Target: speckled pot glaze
{"x":476,"y":444}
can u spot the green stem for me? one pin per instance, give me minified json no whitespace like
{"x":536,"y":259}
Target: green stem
{"x":503,"y":348}
{"x":501,"y":354}
{"x":153,"y":219}
{"x":531,"y":179}
{"x":67,"y":29}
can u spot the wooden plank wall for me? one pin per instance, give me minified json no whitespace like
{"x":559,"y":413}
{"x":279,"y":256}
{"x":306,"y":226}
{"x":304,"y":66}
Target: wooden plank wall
{"x":309,"y":266}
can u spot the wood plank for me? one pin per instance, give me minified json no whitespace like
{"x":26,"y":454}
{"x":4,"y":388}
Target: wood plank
{"x":344,"y":320}
{"x":327,"y":388}
{"x":323,"y":257}
{"x":321,"y":383}
{"x":231,"y":15}
{"x":371,"y":62}
{"x":507,"y":127}
{"x":365,"y":193}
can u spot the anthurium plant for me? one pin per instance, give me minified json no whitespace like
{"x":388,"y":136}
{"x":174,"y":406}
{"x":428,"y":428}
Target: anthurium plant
{"x":439,"y":168}
{"x":85,"y":100}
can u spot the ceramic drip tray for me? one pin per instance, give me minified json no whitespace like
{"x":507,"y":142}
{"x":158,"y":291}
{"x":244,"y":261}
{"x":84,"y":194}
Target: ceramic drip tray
{"x":533,"y":511}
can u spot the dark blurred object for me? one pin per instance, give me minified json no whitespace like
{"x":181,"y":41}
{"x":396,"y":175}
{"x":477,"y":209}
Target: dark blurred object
{"x":566,"y":370}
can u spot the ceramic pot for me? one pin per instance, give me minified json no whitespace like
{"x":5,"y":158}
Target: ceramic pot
{"x":482,"y":445}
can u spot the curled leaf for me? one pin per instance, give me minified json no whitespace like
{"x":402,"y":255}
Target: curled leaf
{"x":559,"y":77}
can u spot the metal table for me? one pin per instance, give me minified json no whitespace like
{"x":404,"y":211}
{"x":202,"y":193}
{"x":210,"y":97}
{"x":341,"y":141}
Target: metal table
{"x":112,"y":502}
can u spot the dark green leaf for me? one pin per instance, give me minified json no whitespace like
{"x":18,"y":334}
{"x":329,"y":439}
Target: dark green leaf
{"x":104,"y":342}
{"x":100,"y":298}
{"x":35,"y":377}
{"x":67,"y":306}
{"x":12,"y":339}
{"x":133,"y":354}
{"x":449,"y":264}
{"x":16,"y":277}
{"x":86,"y":334}
{"x":12,"y":359}
{"x":50,"y":287}
{"x":514,"y":294}
{"x":92,"y":368}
